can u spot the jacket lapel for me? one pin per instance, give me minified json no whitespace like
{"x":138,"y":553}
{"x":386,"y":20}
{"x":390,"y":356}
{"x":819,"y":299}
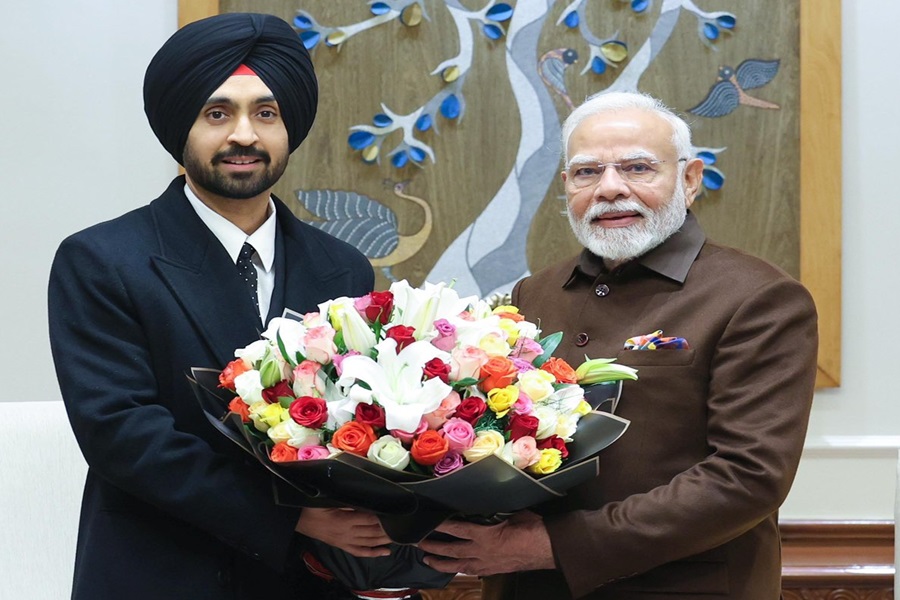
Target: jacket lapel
{"x":201,"y":276}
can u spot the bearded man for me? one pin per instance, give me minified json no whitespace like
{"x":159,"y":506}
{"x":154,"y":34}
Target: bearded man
{"x":686,"y":503}
{"x":172,"y":509}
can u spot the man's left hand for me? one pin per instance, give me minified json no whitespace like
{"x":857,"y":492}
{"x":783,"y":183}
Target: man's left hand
{"x":520,"y":543}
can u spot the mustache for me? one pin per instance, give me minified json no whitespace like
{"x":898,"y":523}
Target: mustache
{"x":240,"y":153}
{"x":602,"y":208}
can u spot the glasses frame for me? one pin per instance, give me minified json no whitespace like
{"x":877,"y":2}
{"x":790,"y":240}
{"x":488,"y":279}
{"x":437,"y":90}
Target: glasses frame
{"x":617,"y":166}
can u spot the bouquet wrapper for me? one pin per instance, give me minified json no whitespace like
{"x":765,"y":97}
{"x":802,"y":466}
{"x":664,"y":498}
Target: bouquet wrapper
{"x":411,"y":505}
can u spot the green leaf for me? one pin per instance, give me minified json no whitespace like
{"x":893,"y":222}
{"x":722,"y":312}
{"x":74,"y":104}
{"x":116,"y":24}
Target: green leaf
{"x":283,"y":350}
{"x":549,"y":345}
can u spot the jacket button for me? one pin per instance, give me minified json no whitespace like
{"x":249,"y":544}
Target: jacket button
{"x":224,"y":577}
{"x":581,"y":339}
{"x":601,"y":290}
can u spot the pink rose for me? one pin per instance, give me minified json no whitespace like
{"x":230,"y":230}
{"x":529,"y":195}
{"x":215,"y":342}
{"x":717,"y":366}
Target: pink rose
{"x":466,"y":362}
{"x":523,"y":365}
{"x":525,"y":452}
{"x":406,"y":436}
{"x":312,"y":453}
{"x":305,"y":380}
{"x":319,"y":342}
{"x":450,"y":462}
{"x":439,"y":416}
{"x":524,"y":405}
{"x":460,"y":435}
{"x":446,"y":339}
{"x":527,"y":349}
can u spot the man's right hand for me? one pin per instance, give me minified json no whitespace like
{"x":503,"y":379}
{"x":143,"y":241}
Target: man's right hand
{"x":353,"y":531}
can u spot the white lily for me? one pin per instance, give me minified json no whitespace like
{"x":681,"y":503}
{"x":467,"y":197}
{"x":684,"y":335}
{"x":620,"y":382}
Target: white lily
{"x":344,"y":317}
{"x":291,"y":333}
{"x":420,"y":308}
{"x":396,"y":381}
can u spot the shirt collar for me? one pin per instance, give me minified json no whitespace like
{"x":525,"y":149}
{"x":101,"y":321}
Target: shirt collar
{"x":673,"y":258}
{"x":233,"y":237}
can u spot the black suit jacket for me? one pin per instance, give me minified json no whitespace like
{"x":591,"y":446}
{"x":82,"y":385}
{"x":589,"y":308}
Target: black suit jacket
{"x":171,"y":508}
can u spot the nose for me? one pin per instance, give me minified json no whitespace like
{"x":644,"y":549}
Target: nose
{"x":611,"y":185}
{"x":243,"y":134}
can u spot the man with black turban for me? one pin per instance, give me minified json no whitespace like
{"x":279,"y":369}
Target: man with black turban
{"x":172,"y":509}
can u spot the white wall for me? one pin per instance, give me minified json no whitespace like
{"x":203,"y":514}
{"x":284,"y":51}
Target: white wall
{"x":77,"y":150}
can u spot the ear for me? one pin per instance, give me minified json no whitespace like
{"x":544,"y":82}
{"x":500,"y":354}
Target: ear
{"x":693,"y":178}
{"x":564,"y":176}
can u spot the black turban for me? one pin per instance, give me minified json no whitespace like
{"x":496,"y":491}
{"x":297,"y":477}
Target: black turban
{"x":200,"y":56}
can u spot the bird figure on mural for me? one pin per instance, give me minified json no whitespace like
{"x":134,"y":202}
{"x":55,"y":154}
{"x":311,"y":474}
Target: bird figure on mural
{"x":728,"y":91}
{"x":368,"y":224}
{"x":552,"y":66}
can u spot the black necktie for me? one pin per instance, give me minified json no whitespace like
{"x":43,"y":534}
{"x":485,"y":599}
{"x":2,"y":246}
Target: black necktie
{"x":248,"y":271}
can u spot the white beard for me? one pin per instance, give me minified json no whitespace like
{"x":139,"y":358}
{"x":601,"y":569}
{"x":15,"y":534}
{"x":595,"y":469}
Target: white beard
{"x":624,"y":243}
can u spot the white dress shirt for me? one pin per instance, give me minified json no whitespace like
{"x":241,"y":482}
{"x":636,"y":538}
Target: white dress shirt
{"x":233,"y":237}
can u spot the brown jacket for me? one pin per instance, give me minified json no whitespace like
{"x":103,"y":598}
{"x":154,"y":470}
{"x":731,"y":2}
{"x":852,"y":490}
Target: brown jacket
{"x":686,"y":502}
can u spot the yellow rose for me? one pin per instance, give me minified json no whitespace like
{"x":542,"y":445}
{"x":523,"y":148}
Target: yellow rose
{"x":493,"y":344}
{"x":267,"y":415}
{"x":487,"y":442}
{"x":500,"y":400}
{"x":506,"y":308}
{"x":551,"y":459}
{"x":512,"y":331}
{"x":536,"y":384}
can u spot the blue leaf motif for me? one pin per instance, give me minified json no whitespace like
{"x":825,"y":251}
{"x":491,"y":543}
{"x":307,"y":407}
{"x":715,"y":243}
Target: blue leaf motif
{"x":598,"y":66}
{"x":302,"y":22}
{"x":708,"y":158}
{"x":450,"y":107}
{"x":380,"y":8}
{"x":713,"y":179}
{"x":310,"y":39}
{"x":416,"y":154}
{"x":492,"y":31}
{"x":572,"y":19}
{"x":400,"y":159}
{"x":639,"y":5}
{"x":710,"y":31}
{"x":726,"y":22}
{"x":360,"y":139}
{"x":424,"y":122}
{"x":382,"y":120}
{"x":500,"y":12}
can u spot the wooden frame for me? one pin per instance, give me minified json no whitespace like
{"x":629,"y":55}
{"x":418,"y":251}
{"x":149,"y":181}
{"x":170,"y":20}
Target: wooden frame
{"x":820,"y":166}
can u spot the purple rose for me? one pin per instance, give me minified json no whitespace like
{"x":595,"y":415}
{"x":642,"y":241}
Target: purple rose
{"x":446,"y":339}
{"x":452,"y":461}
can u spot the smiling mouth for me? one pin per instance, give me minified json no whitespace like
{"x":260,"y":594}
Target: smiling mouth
{"x":240,"y":161}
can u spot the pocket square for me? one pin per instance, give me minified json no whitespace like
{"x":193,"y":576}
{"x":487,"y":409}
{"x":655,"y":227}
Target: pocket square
{"x":655,"y":341}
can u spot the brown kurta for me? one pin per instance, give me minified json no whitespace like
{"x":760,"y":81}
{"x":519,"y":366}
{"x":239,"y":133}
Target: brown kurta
{"x":686,"y":502}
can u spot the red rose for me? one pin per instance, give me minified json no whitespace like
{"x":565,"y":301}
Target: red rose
{"x":470,"y":410}
{"x":309,"y":412}
{"x":380,"y":308}
{"x":354,"y":437}
{"x":554,"y":441}
{"x":429,"y":448}
{"x":370,"y":414}
{"x":277,"y":391}
{"x":437,"y":368}
{"x":402,"y":334}
{"x":232,"y":370}
{"x":522,"y":425}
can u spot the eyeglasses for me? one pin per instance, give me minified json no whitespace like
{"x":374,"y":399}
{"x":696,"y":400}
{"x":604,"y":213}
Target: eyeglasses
{"x":638,"y":170}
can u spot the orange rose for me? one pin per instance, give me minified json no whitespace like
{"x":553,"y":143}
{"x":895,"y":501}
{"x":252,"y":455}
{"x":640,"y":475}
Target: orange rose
{"x":429,"y":448}
{"x":498,"y":372}
{"x":560,"y":369}
{"x":281,"y":452}
{"x":516,"y":317}
{"x":232,"y":370}
{"x":240,"y":407}
{"x":354,"y":437}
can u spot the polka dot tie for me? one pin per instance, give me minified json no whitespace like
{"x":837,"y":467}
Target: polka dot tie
{"x":248,"y":271}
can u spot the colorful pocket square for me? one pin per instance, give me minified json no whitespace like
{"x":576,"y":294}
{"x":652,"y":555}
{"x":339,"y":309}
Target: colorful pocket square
{"x":655,"y":341}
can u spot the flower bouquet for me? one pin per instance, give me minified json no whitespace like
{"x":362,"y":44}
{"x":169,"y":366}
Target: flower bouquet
{"x":416,"y":404}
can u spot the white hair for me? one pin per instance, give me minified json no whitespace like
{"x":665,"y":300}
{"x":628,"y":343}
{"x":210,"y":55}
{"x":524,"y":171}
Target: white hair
{"x":616,"y":101}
